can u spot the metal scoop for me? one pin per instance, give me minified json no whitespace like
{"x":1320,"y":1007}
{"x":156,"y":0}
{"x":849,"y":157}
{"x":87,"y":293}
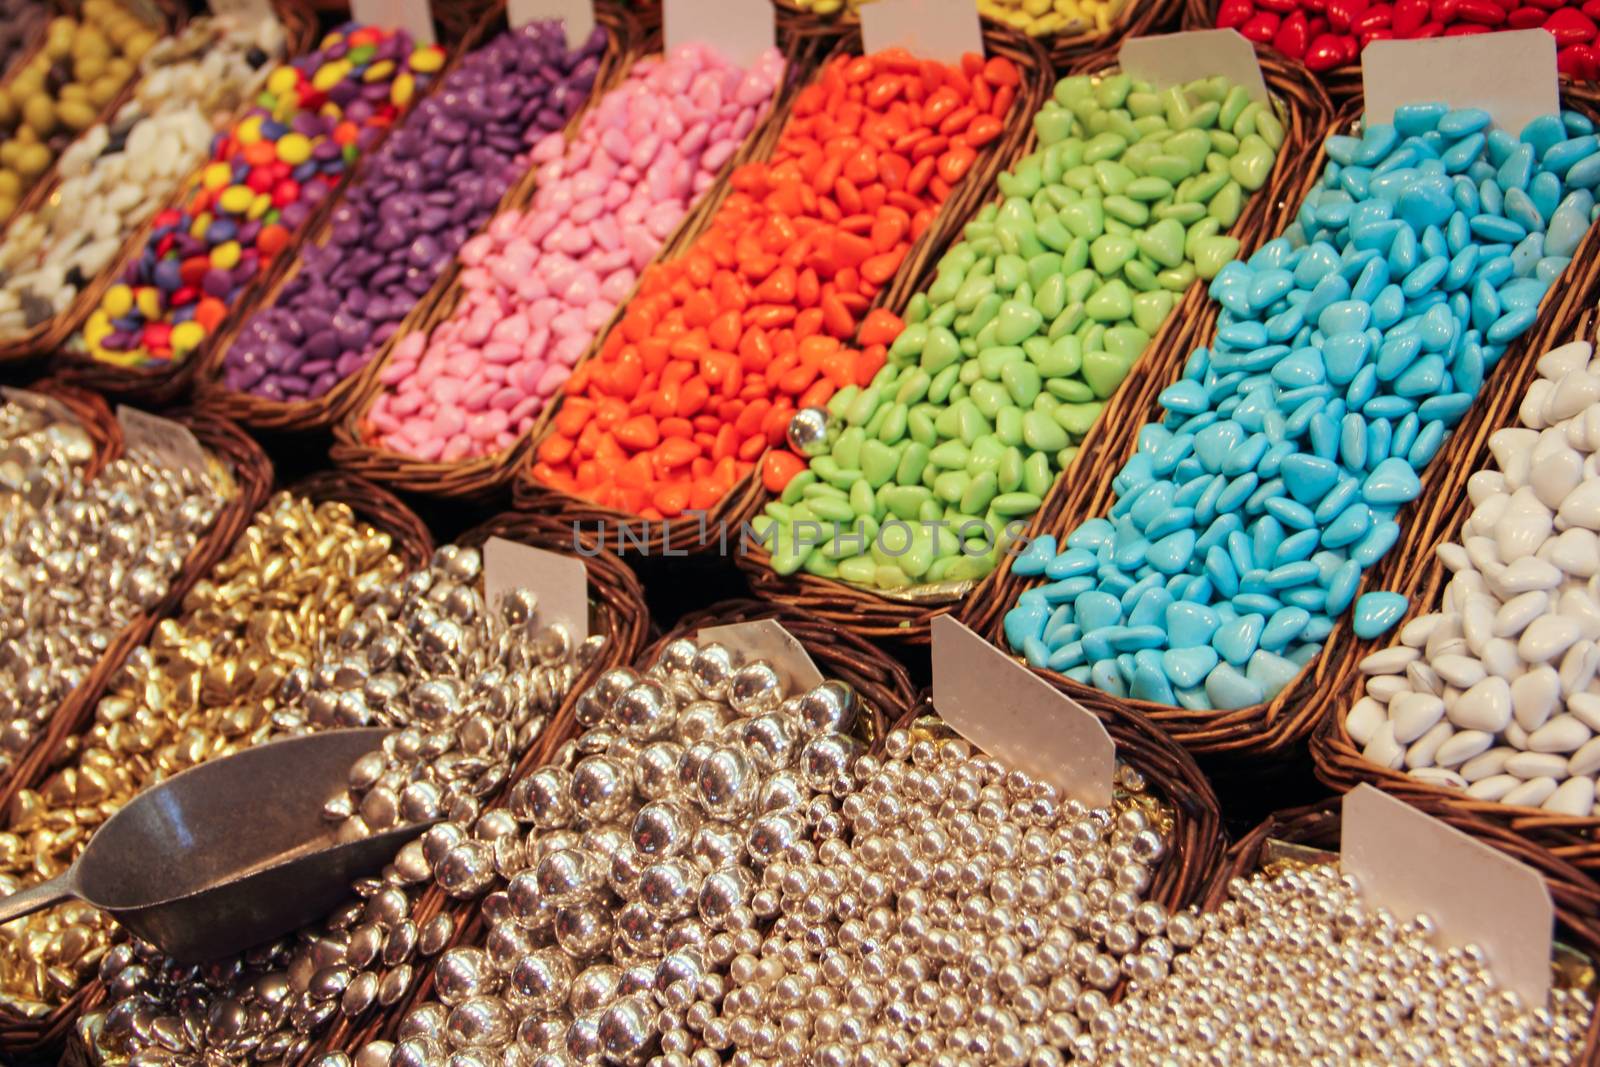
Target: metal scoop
{"x":228,"y":854}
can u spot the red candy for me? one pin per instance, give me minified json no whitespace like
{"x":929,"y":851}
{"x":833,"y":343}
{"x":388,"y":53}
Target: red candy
{"x":1325,"y":34}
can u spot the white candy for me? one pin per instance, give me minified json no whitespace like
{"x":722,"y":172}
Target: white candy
{"x":1498,"y":691}
{"x":190,"y":86}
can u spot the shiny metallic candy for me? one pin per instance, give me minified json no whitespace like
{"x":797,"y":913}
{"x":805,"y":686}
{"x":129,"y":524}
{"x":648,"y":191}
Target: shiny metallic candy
{"x":467,"y":689}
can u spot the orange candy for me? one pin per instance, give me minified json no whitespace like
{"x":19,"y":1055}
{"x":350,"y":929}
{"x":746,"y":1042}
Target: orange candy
{"x":718,"y":349}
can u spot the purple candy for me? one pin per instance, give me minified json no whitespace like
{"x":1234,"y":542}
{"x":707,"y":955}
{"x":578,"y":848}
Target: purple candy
{"x":436,"y":180}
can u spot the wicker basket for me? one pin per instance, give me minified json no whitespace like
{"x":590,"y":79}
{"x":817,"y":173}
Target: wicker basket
{"x":19,"y":1036}
{"x":1138,"y":18}
{"x":1306,"y":112}
{"x":1295,"y":712}
{"x":252,"y":476}
{"x":1414,"y":571}
{"x":165,"y":383}
{"x":882,"y":684}
{"x":319,"y":413}
{"x":485,"y":476}
{"x":693,"y":534}
{"x":51,"y":334}
{"x":92,"y":413}
{"x":616,"y":610}
{"x":1316,"y":826}
{"x":1196,"y":839}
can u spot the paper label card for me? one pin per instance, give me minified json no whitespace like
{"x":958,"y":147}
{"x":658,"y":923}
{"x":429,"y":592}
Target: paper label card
{"x":1008,"y":711}
{"x":39,"y":402}
{"x":1511,"y":75}
{"x":560,"y":582}
{"x":576,"y":16}
{"x":767,"y":639}
{"x":1170,"y":59}
{"x":942,"y":30}
{"x":166,"y":442}
{"x":739,"y":30}
{"x":413,"y":16}
{"x":1414,"y":864}
{"x":243,"y":12}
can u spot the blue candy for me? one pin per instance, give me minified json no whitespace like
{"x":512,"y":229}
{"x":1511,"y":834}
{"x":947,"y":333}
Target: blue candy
{"x":1345,"y":351}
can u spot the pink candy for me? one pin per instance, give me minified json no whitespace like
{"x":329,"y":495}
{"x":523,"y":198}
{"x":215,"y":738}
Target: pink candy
{"x":538,"y":285}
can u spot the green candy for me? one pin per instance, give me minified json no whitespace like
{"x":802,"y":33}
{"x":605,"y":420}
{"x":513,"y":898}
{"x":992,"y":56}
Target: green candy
{"x":1031,"y":323}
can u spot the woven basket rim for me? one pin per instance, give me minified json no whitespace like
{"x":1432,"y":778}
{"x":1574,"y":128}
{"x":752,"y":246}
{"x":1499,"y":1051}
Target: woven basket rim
{"x":743,"y":501}
{"x":165,"y":382}
{"x":484,"y":476}
{"x":1298,"y":710}
{"x":899,"y":619}
{"x":319,"y":413}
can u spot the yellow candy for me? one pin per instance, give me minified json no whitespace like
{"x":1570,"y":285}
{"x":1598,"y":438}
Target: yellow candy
{"x":186,"y":337}
{"x":235,"y":199}
{"x":427,"y":60}
{"x":201,"y":223}
{"x":280,"y":81}
{"x":1039,"y":18}
{"x":379,"y":71}
{"x":294,"y":148}
{"x":226,"y":255}
{"x":402,"y":89}
{"x":149,"y":301}
{"x":118,"y":302}
{"x":259,"y":206}
{"x":216,"y":176}
{"x":248,"y":131}
{"x":330,"y":74}
{"x":98,"y":328}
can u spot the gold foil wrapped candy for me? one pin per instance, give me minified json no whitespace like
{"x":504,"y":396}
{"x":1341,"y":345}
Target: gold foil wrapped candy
{"x":204,"y":686}
{"x":470,"y":690}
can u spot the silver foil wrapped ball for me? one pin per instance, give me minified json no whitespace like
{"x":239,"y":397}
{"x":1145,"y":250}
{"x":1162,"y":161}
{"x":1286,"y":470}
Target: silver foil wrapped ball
{"x":808,"y":432}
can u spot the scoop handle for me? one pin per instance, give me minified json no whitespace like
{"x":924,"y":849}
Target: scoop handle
{"x":36,"y":897}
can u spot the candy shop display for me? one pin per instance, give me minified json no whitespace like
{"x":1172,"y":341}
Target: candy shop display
{"x":759,"y":317}
{"x":206,"y":685}
{"x":1345,"y":351}
{"x":314,"y":119}
{"x":81,"y":569}
{"x":1032,"y":322}
{"x":1297,"y":968}
{"x":1495,"y":694}
{"x":1325,"y":34}
{"x":468,"y":696}
{"x":434,"y":182}
{"x":114,"y":177}
{"x":541,"y":281}
{"x":62,"y":89}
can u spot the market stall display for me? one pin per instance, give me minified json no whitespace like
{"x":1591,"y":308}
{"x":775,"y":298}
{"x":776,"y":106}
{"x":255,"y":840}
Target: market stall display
{"x":1120,"y":443}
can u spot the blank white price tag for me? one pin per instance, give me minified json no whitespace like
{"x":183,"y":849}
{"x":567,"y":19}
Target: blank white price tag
{"x":576,"y":16}
{"x":1413,"y":864}
{"x":163,"y":440}
{"x":941,"y":30}
{"x":413,"y":16}
{"x":560,"y":582}
{"x":739,"y":30}
{"x":1169,"y":59}
{"x":767,"y":639}
{"x":1510,"y":75}
{"x":1008,"y":711}
{"x":39,"y":402}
